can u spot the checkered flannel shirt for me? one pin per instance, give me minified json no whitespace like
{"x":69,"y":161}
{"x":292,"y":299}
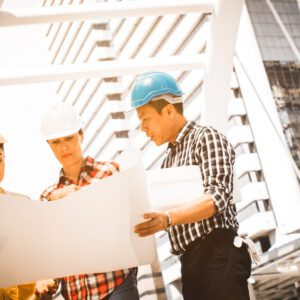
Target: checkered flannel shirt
{"x":97,"y":285}
{"x":210,"y":150}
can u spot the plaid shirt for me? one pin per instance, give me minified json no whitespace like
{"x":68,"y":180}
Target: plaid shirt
{"x":98,"y":285}
{"x":210,"y":150}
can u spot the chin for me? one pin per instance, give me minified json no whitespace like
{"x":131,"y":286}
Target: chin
{"x":158,"y":143}
{"x":67,"y":160}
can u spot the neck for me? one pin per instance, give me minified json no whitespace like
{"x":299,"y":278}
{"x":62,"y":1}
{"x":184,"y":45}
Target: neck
{"x":179,"y":123}
{"x":72,"y":171}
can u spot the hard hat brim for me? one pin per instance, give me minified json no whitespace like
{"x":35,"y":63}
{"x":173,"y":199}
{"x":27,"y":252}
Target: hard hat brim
{"x":167,"y":97}
{"x":62,"y":134}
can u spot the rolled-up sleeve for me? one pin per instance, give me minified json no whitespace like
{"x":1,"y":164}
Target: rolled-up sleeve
{"x":216,"y":163}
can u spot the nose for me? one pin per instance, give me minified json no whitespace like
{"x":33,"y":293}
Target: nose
{"x":65,"y":146}
{"x":143,"y":127}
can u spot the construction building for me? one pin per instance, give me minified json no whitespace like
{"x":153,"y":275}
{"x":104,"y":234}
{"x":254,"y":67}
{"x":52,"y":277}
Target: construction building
{"x":238,"y":64}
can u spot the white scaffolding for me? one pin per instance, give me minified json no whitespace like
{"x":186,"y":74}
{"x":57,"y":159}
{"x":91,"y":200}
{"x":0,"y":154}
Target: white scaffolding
{"x":220,"y":52}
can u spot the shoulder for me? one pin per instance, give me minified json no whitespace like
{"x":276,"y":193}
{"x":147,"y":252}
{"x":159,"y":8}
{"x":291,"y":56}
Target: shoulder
{"x":47,"y":192}
{"x":110,"y":166}
{"x":17,"y":194}
{"x":199,"y":133}
{"x":205,"y":129}
{"x":103,"y":169}
{"x":208,"y":133}
{"x":207,"y":137}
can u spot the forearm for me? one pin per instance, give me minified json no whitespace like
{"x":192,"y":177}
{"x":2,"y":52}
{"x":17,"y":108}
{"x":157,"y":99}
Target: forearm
{"x":156,"y":221}
{"x":202,"y":209}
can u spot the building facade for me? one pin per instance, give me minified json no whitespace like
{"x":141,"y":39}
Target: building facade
{"x":259,"y":113}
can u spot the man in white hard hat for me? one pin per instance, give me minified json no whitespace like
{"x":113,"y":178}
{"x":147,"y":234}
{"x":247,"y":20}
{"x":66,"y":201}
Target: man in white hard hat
{"x":62,"y":128}
{"x":24,"y":291}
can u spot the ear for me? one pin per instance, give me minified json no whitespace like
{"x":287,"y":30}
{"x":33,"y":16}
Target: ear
{"x":81,"y":135}
{"x":170,"y":111}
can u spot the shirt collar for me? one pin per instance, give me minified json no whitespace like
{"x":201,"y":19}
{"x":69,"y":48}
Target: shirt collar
{"x":183,"y":132}
{"x":88,"y":164}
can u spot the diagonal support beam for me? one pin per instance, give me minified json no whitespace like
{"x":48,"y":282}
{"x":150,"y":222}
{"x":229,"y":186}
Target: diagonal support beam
{"x":103,"y":11}
{"x":220,"y":49}
{"x":101,"y":69}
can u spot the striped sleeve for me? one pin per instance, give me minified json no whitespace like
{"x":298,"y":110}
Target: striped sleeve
{"x":47,"y":192}
{"x":217,"y":159}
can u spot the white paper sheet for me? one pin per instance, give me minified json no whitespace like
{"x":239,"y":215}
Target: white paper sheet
{"x":86,"y":232}
{"x":91,"y":230}
{"x":172,"y":187}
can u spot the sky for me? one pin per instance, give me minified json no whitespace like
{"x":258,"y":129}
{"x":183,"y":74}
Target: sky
{"x":30,"y":165}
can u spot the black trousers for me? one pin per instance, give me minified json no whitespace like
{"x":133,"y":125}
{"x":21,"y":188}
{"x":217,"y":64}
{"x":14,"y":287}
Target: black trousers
{"x":214,"y":269}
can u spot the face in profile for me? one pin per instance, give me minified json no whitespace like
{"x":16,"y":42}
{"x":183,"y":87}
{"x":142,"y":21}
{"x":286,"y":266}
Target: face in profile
{"x":2,"y":164}
{"x":157,"y":126}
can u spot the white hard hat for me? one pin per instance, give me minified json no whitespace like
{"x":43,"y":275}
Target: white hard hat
{"x":59,"y":121}
{"x":3,"y":140}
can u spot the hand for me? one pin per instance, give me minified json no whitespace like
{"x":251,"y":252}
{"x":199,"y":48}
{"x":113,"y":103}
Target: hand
{"x":63,"y":192}
{"x":157,"y":221}
{"x":44,"y":289}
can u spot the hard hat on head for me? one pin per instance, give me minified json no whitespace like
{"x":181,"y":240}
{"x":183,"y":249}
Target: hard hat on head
{"x":60,"y":120}
{"x":152,"y":84}
{"x":3,"y":140}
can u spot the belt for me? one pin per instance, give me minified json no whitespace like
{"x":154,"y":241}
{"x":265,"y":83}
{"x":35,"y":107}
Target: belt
{"x":220,"y":235}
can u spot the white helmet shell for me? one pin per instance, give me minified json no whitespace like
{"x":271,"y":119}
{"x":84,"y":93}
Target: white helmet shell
{"x":59,"y":121}
{"x":3,"y":140}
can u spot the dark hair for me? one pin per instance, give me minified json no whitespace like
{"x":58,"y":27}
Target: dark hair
{"x":2,"y":146}
{"x":158,"y":105}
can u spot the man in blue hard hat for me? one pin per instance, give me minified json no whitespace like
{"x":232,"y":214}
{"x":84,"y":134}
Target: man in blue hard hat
{"x":202,"y":232}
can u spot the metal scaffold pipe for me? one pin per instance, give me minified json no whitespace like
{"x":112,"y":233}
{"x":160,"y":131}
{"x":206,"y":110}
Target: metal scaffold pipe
{"x":101,"y":69}
{"x":103,"y":11}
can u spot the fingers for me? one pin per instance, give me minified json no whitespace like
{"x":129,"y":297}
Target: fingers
{"x":70,"y":189}
{"x":148,"y":231}
{"x":63,"y":192}
{"x":45,"y":288}
{"x":146,"y":226}
{"x":154,"y":224}
{"x":43,"y":297}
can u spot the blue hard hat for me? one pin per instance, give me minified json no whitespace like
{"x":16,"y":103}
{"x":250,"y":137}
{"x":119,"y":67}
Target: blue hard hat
{"x":153,"y":84}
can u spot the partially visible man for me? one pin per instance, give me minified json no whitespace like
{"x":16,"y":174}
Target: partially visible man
{"x":202,"y":232}
{"x":24,"y":291}
{"x":62,"y":129}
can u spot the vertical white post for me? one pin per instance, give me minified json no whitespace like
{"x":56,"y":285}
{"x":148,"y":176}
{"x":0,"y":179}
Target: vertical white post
{"x":252,"y":292}
{"x":220,"y":51}
{"x":275,"y":157}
